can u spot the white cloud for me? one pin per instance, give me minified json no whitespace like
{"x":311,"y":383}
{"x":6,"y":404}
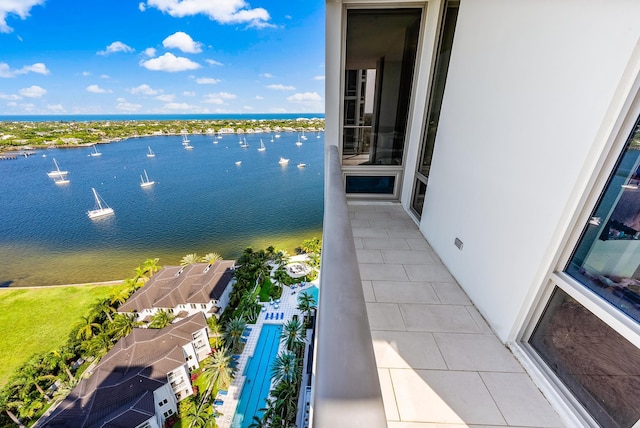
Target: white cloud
{"x":182,"y":41}
{"x":20,"y":8}
{"x":213,"y":62}
{"x":170,"y":63}
{"x":11,"y":97}
{"x":218,"y":98}
{"x":150,"y":52}
{"x":105,"y":76}
{"x":86,"y":73}
{"x":32,"y":92}
{"x":248,"y":108}
{"x":116,"y":47}
{"x":280,"y":87}
{"x":56,"y":108}
{"x":267,"y":75}
{"x":305,"y":97}
{"x":207,"y":81}
{"x":144,"y":89}
{"x":142,"y":6}
{"x":166,"y":98}
{"x":222,"y":11}
{"x":7,"y":71}
{"x":318,"y":77}
{"x":98,"y":90}
{"x":258,"y":97}
{"x":124,"y":105}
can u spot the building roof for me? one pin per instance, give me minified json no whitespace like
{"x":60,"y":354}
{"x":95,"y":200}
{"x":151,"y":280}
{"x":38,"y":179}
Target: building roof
{"x":119,"y":393}
{"x":176,"y":285}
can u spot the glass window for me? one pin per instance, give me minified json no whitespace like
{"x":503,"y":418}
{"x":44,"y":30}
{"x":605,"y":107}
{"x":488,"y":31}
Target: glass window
{"x":598,"y":365}
{"x":370,"y":184}
{"x":381,"y":48}
{"x":607,"y":257}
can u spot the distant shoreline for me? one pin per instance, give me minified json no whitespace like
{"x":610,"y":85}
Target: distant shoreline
{"x":80,"y":284}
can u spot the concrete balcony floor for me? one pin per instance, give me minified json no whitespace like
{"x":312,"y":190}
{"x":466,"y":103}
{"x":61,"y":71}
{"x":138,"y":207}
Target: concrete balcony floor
{"x":439,"y":363}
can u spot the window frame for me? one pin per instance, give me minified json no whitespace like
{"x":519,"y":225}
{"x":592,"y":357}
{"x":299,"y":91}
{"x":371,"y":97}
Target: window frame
{"x":594,"y":186}
{"x":380,"y":170}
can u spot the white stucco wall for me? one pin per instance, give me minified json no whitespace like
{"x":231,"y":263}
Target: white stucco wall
{"x":528,"y":89}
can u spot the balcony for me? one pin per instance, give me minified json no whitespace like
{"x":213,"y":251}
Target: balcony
{"x":422,"y":343}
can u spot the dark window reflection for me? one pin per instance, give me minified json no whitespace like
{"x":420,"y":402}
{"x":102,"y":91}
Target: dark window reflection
{"x":599,"y":366}
{"x":370,"y":184}
{"x":607,"y":258}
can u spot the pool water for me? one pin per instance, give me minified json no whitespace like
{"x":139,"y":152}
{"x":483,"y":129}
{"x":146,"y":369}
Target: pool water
{"x":257,"y":377}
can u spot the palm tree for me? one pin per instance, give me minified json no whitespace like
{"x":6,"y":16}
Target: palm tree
{"x":306,"y":303}
{"x":286,"y":368}
{"x":217,"y":371}
{"x":58,"y":359}
{"x":161,"y":319}
{"x":121,"y":296}
{"x":258,"y":422}
{"x":151,"y":266}
{"x":293,"y":334}
{"x":286,"y":400}
{"x":210,"y":258}
{"x":98,"y":345}
{"x":103,"y":306}
{"x":189,"y":259}
{"x":123,"y":325}
{"x":199,"y":416}
{"x":215,"y":332}
{"x":86,"y":328}
{"x":233,"y":332}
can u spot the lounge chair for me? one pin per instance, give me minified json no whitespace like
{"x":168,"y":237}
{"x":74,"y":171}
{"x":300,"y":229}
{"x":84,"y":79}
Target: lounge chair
{"x":223,"y":392}
{"x":281,"y":315}
{"x":218,"y":402}
{"x":276,"y":306}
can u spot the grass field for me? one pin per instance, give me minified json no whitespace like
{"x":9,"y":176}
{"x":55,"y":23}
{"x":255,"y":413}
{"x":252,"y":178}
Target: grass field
{"x":40,"y":319}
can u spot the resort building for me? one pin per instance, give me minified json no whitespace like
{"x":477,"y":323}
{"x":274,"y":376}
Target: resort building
{"x":481,"y":245}
{"x":183,"y":291}
{"x":139,"y":382}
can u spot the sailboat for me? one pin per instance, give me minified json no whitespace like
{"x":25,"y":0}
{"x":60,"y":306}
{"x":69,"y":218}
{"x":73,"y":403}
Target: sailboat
{"x":262,"y":147}
{"x":101,"y":209}
{"x":303,"y":137}
{"x":283,"y":161}
{"x":61,"y":179}
{"x":144,"y":181}
{"x":272,"y":138}
{"x":298,"y":143}
{"x":188,"y":146}
{"x":302,"y":165}
{"x":95,"y":151}
{"x":185,"y":139}
{"x":56,"y":172}
{"x":243,"y":144}
{"x":150,"y":154}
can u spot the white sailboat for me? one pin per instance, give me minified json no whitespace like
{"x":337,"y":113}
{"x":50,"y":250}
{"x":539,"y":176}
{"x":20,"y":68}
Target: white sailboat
{"x":262,"y":147}
{"x":56,"y":172}
{"x":150,"y":154}
{"x":61,"y":179}
{"x":188,"y":146}
{"x":244,"y":144}
{"x":95,"y":151}
{"x":144,"y":181}
{"x":238,"y":163}
{"x":283,"y":161}
{"x":302,"y":165}
{"x":185,"y":139}
{"x":101,"y":208}
{"x":272,"y":138}
{"x":303,"y":137}
{"x":298,"y":143}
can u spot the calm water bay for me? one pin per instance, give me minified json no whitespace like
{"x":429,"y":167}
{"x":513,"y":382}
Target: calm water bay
{"x":201,"y":202}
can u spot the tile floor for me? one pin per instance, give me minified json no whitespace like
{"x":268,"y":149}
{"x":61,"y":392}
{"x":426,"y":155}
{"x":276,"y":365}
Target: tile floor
{"x":440,"y":365}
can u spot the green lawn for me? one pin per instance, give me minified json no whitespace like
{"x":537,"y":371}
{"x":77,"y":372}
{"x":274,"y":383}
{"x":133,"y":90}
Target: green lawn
{"x":39,"y":320}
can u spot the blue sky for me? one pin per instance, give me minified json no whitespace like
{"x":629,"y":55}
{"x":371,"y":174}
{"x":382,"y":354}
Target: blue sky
{"x":161,"y":56}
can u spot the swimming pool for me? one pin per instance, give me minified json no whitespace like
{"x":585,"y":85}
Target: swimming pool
{"x":258,"y":377}
{"x":313,"y":290}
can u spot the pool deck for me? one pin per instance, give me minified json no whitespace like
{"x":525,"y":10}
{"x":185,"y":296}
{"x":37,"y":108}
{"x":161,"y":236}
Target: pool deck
{"x":287,"y":306}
